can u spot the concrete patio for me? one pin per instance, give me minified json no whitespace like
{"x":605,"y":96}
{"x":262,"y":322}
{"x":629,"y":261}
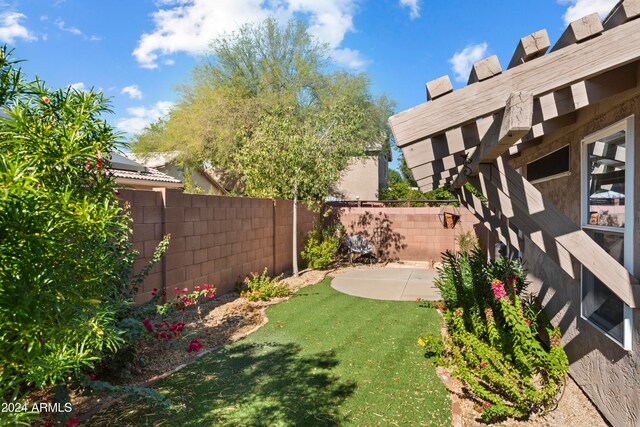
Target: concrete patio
{"x":389,"y":283}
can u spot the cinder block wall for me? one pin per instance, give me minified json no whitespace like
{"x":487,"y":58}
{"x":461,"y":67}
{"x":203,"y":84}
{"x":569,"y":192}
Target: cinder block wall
{"x":412,"y":234}
{"x":214,"y":239}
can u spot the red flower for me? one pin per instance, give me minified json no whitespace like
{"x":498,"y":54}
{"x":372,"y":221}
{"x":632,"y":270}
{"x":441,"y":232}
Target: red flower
{"x":72,"y":422}
{"x":185,"y":290}
{"x":418,"y":299}
{"x":194,"y":346}
{"x":92,"y":376}
{"x":176,"y":289}
{"x":197,"y":288}
{"x":99,"y":164}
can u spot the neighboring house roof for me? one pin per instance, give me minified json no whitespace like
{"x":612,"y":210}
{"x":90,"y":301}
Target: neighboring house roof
{"x":161,"y":159}
{"x":469,"y":134}
{"x":129,"y":172}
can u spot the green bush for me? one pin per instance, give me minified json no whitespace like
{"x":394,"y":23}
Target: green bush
{"x":322,"y":245}
{"x":65,"y":254}
{"x":492,"y":341}
{"x":261,"y":287}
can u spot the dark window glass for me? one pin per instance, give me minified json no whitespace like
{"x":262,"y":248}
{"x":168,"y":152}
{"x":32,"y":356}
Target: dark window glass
{"x":549,"y":165}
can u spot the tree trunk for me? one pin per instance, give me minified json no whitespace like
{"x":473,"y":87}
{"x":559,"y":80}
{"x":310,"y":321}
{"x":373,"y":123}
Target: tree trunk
{"x":295,"y":228}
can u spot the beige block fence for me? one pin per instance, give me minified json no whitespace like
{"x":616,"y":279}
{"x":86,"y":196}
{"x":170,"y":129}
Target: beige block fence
{"x":219,"y":240}
{"x":216,"y":240}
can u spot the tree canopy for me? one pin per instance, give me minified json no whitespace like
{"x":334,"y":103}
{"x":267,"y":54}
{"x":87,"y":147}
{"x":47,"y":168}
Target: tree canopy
{"x":269,"y":108}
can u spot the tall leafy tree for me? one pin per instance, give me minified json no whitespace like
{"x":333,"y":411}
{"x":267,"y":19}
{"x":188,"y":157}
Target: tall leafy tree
{"x":270,"y":109}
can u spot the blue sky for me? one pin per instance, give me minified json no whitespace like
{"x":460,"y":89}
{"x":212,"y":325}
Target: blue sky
{"x":138,"y":51}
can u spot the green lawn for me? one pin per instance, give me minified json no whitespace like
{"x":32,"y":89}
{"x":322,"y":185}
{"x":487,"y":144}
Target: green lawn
{"x":324,"y":358}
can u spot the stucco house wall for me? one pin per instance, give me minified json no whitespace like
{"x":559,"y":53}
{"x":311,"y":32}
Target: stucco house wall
{"x":363,"y":178}
{"x":608,"y":374}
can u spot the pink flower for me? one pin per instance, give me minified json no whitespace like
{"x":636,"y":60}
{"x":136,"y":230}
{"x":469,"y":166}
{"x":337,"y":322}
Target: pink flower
{"x":498,"y":289}
{"x":418,"y":299}
{"x":483,"y":365}
{"x":88,"y":167}
{"x":92,"y":376}
{"x":185,"y":290}
{"x":528,"y":322}
{"x":176,"y":289}
{"x":72,"y":422}
{"x":197,"y":288}
{"x":488,"y":314}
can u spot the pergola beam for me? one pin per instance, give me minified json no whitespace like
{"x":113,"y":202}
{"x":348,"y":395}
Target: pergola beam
{"x":612,"y":49}
{"x":551,"y":112}
{"x":530,"y":47}
{"x":579,"y":30}
{"x":623,"y":12}
{"x":514,"y":124}
{"x":501,"y":202}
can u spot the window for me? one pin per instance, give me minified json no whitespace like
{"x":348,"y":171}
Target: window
{"x":553,"y":165}
{"x":607,"y":217}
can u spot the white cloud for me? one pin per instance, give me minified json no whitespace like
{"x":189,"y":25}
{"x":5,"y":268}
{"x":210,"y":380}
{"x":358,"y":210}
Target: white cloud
{"x":350,"y":58}
{"x":133,"y":91}
{"x":580,"y":8}
{"x":190,"y":25}
{"x":141,"y":117}
{"x":73,"y":30}
{"x":413,"y":6}
{"x":77,"y":86}
{"x":11,"y":29}
{"x":461,"y":62}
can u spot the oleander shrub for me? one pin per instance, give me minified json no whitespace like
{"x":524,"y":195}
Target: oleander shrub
{"x":65,"y":255}
{"x":493,"y":341}
{"x":262,"y":287}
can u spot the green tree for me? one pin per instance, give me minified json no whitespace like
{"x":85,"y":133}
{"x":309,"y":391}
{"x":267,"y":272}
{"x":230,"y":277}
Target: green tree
{"x":269,"y":107}
{"x":65,"y":254}
{"x":406,"y":172}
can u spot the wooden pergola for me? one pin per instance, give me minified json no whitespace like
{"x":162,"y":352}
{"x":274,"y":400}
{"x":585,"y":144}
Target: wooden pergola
{"x":469,"y":134}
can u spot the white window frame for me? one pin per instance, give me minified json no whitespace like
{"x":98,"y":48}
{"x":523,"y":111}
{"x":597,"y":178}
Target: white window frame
{"x":628,"y":232}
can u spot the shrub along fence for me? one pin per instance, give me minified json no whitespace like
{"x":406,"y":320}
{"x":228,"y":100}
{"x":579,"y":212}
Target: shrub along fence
{"x":214,"y":239}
